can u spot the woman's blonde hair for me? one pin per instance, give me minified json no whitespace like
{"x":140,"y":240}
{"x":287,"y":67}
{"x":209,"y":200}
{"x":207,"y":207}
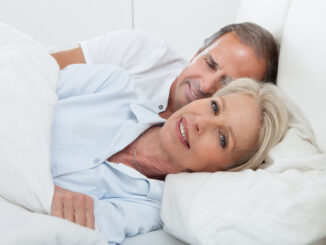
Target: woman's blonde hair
{"x":274,"y":117}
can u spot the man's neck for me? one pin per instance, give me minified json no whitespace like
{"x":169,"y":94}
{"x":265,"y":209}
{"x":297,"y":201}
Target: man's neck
{"x":167,"y":113}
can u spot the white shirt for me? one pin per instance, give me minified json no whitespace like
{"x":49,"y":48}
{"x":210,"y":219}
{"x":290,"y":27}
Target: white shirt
{"x":151,"y":62}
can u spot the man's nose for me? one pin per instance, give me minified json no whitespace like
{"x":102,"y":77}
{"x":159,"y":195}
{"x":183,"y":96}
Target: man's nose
{"x":211,"y":83}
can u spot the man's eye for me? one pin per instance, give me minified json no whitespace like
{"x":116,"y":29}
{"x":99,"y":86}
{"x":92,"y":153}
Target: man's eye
{"x":222,"y":140}
{"x":212,"y":66}
{"x":215,"y":107}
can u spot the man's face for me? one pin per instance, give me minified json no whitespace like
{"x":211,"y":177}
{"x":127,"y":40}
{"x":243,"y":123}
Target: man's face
{"x":224,"y":60}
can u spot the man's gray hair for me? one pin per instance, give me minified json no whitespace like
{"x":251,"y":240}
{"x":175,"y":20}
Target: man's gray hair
{"x":256,"y":37}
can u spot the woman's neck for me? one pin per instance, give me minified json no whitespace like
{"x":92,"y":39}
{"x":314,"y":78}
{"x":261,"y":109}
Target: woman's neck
{"x":146,"y":155}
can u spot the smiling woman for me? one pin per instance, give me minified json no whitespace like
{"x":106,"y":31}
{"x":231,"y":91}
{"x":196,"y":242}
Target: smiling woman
{"x":109,"y":143}
{"x":214,"y":133}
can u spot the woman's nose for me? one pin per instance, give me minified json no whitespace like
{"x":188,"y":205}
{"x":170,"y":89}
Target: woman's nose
{"x":204,"y":123}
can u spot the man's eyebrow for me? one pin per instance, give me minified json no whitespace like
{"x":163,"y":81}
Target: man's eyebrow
{"x":226,"y":78}
{"x":211,"y":59}
{"x":229,"y":129}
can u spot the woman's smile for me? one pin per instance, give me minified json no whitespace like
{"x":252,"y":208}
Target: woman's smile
{"x":182,"y":132}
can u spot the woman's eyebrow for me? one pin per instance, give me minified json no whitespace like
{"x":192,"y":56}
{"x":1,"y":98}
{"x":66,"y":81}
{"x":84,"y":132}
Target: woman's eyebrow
{"x":222,"y":103}
{"x":229,"y":129}
{"x":232,"y":137}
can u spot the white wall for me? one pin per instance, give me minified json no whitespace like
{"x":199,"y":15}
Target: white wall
{"x":60,"y":24}
{"x":184,"y":23}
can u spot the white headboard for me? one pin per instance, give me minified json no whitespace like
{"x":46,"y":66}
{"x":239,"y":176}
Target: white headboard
{"x":302,"y":73}
{"x":300,"y":27}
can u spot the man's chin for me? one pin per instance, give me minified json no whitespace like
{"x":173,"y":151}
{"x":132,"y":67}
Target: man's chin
{"x":188,"y":100}
{"x":181,"y":104}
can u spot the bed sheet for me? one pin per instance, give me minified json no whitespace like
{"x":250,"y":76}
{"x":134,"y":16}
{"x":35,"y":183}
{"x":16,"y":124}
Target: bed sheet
{"x":159,"y":237}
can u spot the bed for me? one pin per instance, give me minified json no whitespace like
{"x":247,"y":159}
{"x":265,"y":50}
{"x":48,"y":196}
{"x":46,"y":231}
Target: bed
{"x":284,"y":202}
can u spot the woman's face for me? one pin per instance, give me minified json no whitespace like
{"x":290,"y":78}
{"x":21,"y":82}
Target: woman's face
{"x":211,"y":134}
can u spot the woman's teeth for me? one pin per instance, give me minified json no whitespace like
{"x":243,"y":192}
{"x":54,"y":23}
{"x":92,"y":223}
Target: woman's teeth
{"x":183,"y":133}
{"x":182,"y":130}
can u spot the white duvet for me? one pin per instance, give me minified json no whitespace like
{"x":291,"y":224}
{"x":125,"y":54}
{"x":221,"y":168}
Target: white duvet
{"x":28,"y":78}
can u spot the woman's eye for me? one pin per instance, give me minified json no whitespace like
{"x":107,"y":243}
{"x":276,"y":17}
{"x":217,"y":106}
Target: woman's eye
{"x":214,"y":107}
{"x":222,"y":140}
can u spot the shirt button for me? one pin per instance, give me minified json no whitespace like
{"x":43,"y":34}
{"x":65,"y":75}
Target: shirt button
{"x":96,"y":160}
{"x":160,"y":107}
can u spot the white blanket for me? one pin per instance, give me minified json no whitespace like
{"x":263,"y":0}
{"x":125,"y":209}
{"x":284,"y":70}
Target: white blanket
{"x":20,"y":226}
{"x":28,"y":78}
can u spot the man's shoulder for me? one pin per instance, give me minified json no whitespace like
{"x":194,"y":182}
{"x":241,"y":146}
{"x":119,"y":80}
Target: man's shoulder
{"x":126,"y":46}
{"x":137,"y":34}
{"x":144,"y":40}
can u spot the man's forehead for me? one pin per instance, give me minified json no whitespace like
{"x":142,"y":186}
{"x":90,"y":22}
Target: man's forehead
{"x":239,"y":59}
{"x":225,"y":39}
{"x":204,"y":52}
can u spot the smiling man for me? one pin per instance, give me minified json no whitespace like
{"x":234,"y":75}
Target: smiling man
{"x":237,"y":50}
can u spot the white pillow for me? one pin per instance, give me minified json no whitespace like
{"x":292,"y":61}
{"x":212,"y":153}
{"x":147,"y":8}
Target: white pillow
{"x":249,"y":207}
{"x":270,"y":14}
{"x":302,"y":71}
{"x":28,"y":79}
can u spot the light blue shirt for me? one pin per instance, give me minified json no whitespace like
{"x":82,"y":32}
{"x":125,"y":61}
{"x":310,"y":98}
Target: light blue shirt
{"x":100,"y":111}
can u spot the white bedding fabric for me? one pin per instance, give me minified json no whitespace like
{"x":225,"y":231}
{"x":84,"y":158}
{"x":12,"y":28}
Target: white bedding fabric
{"x":20,"y":226}
{"x":28,"y":78}
{"x":248,"y":207}
{"x":285,"y":203}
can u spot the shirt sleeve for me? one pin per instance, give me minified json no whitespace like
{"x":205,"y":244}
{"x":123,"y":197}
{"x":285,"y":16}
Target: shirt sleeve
{"x":130,"y":49}
{"x":81,"y":79}
{"x":117,"y":219}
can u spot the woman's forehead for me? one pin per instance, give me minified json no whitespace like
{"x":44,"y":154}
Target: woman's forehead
{"x":243,"y":117}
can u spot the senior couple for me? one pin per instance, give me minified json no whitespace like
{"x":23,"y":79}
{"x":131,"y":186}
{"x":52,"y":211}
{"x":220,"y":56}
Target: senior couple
{"x":137,"y":112}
